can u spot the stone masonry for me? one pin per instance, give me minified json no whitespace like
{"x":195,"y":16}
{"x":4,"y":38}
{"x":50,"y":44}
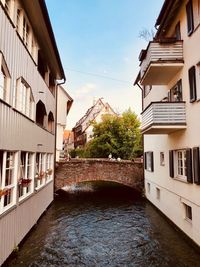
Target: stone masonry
{"x":80,"y":170}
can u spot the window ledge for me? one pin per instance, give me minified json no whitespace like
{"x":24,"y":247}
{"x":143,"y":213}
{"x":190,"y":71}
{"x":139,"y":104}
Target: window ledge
{"x":24,"y":115}
{"x":181,"y":180}
{"x":7,"y":210}
{"x":25,"y":198}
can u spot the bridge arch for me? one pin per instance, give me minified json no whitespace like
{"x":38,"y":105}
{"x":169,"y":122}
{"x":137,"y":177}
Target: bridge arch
{"x":127,"y":173}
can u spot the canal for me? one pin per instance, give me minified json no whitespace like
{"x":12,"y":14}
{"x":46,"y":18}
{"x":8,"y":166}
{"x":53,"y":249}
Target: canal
{"x":106,"y":226}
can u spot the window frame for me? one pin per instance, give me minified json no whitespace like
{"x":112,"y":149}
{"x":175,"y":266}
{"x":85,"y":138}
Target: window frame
{"x":9,"y":199}
{"x":190,"y":17}
{"x":5,"y":85}
{"x":28,"y":166}
{"x":23,"y":98}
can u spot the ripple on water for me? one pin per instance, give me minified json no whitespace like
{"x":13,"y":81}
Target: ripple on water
{"x":104,"y":229}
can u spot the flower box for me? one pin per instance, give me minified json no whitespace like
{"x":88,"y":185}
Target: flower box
{"x":25,"y":182}
{"x":3,"y":192}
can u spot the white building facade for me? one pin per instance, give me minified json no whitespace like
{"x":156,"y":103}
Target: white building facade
{"x":29,"y":68}
{"x":64,"y":103}
{"x":170,"y":79}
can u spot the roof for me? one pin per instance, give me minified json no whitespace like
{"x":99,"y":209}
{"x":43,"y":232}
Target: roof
{"x":38,"y":15}
{"x":68,"y":134}
{"x":91,"y":109}
{"x":167,"y":15}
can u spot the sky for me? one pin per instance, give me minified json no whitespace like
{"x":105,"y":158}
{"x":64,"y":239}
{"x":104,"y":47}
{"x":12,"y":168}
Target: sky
{"x":99,"y":45}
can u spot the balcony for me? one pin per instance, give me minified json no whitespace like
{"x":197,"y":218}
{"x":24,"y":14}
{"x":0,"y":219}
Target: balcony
{"x":160,"y":62}
{"x":163,"y":118}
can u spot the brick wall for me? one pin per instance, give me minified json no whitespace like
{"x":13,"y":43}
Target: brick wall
{"x":125,"y":172}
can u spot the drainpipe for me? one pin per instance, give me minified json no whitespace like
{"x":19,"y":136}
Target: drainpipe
{"x":56,"y":98}
{"x":142,"y":134}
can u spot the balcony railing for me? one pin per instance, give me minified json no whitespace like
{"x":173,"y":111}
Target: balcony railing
{"x":161,"y":62}
{"x":163,"y":117}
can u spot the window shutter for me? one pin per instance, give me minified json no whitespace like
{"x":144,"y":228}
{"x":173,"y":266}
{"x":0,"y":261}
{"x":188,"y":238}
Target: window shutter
{"x":145,"y":160}
{"x":196,"y":165}
{"x":192,"y":83}
{"x":189,"y":165}
{"x":171,"y":163}
{"x":152,"y":163}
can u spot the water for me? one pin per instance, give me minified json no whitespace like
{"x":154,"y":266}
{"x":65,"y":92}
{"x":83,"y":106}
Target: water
{"x":107,"y":227}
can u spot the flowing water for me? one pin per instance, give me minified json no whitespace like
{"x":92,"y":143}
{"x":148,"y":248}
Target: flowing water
{"x":104,"y":227}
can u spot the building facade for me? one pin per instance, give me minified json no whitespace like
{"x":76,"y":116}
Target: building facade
{"x":29,"y":68}
{"x":83,"y":129}
{"x":64,"y":103}
{"x":170,"y":80}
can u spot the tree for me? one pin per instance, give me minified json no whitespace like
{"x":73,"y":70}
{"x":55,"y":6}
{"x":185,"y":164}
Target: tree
{"x":118,"y":135}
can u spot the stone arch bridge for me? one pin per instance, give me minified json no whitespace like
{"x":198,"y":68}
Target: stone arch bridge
{"x":124,"y":172}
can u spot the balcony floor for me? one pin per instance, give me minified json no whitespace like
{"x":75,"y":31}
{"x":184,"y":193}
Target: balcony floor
{"x":163,"y":129}
{"x":161,"y":73}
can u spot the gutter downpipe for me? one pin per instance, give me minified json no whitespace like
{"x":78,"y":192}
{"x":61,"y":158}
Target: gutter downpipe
{"x":56,"y":98}
{"x":142,"y":135}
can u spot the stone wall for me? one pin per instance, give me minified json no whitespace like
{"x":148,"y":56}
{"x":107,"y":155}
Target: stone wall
{"x":124,"y":172}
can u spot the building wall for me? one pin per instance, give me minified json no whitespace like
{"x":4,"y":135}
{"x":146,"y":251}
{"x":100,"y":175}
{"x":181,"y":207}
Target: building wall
{"x":17,"y":223}
{"x":62,"y":100}
{"x":20,"y":134}
{"x":168,"y":194}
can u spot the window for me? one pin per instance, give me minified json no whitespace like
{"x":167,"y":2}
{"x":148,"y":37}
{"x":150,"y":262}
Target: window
{"x":51,"y":122}
{"x":162,"y":159}
{"x":148,"y":188}
{"x":41,"y":168}
{"x":41,"y":114}
{"x":188,"y":212}
{"x":25,"y":176}
{"x":49,"y":167}
{"x":4,"y":80}
{"x":26,"y":33}
{"x":7,"y":179}
{"x":178,"y":31}
{"x":175,"y":94}
{"x":146,"y":90}
{"x":157,"y":193}
{"x":192,"y":83}
{"x":149,"y":162}
{"x":180,"y":164}
{"x":24,"y":98}
{"x":190,"y":19}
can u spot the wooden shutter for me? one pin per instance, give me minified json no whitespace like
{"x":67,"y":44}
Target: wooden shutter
{"x":189,"y":165}
{"x":171,"y":163}
{"x":196,"y":165}
{"x":145,"y":160}
{"x":152,"y":161}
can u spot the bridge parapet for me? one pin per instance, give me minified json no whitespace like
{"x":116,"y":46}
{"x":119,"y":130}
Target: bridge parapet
{"x":125,"y":172}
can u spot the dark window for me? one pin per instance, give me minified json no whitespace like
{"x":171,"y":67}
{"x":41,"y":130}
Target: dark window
{"x":178,"y":31}
{"x":175,"y":94}
{"x":190,"y":19}
{"x":188,"y":212}
{"x":192,"y":83}
{"x":146,"y":90}
{"x":40,"y":113}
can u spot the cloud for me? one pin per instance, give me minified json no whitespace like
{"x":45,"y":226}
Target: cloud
{"x":85,"y":91}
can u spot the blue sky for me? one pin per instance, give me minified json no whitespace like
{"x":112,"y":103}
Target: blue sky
{"x":101,"y":37}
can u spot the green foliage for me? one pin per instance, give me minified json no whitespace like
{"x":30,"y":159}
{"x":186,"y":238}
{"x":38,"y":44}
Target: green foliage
{"x":118,"y":135}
